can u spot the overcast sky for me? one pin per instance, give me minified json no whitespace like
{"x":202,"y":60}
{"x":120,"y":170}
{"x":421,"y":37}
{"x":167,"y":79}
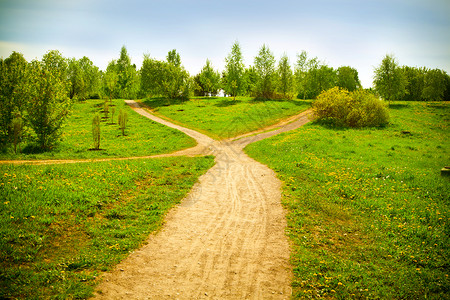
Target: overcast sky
{"x":356,"y":33}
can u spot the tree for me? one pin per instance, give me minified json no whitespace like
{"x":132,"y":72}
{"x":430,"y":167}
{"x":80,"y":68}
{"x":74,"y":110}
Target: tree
{"x":96,"y":131}
{"x":250,"y":78}
{"x":110,"y":79}
{"x":234,"y":71}
{"x":173,"y":58}
{"x":49,"y":102}
{"x":285,"y":84}
{"x":123,"y":120}
{"x":13,"y":94}
{"x":347,"y":78}
{"x":168,"y":79}
{"x":209,"y":79}
{"x":301,"y":69}
{"x":265,"y":69}
{"x":434,"y":85}
{"x":389,"y":80}
{"x":415,"y":83}
{"x":127,"y":76}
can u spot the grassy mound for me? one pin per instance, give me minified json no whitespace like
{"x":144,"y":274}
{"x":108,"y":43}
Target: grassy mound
{"x":222,"y":118}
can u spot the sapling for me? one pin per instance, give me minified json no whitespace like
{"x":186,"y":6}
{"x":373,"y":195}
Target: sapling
{"x":113,"y":111}
{"x":106,"y":110}
{"x":96,"y":131}
{"x":123,"y":119}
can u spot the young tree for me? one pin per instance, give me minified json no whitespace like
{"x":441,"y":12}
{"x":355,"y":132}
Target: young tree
{"x":234,"y":71}
{"x":251,"y":79}
{"x":347,"y":78}
{"x":434,"y":85}
{"x":13,"y":94}
{"x":123,"y":120}
{"x":389,"y":80}
{"x":96,"y":131}
{"x":209,"y":79}
{"x":285,"y":82}
{"x":49,"y":102}
{"x":265,"y":68}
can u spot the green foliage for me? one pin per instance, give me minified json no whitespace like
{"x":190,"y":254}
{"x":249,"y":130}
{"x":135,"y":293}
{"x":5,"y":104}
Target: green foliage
{"x":354,"y":109}
{"x":123,"y":120}
{"x":84,"y":78}
{"x":285,"y":78}
{"x":313,"y":76}
{"x":389,"y":80}
{"x":209,"y":80}
{"x":233,"y":79}
{"x":434,"y":85}
{"x":168,"y":79}
{"x":367,"y":210}
{"x":347,"y":78}
{"x":13,"y":94}
{"x":415,"y":83}
{"x":49,"y":104}
{"x":265,"y":70}
{"x":121,"y":79}
{"x":110,"y":79}
{"x":17,"y":132}
{"x":96,"y":131}
{"x":62,"y":225}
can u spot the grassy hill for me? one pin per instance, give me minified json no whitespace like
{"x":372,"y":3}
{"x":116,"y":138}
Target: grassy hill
{"x":368,"y":210}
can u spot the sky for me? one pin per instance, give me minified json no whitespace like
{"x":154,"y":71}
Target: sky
{"x":356,"y":33}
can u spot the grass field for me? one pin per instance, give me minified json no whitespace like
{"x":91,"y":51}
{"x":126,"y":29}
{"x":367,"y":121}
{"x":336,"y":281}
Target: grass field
{"x":368,"y":211}
{"x":61,"y":225}
{"x":143,"y":136}
{"x":222,"y":118}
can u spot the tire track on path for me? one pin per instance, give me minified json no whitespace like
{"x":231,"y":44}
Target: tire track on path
{"x":225,"y":241}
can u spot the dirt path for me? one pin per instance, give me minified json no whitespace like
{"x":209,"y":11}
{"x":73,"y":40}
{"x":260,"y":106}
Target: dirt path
{"x":225,"y":241}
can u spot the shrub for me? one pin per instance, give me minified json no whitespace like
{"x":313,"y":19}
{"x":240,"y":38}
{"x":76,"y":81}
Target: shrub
{"x":354,"y":109}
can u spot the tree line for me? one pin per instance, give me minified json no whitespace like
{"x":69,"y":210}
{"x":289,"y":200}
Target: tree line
{"x":38,"y":94}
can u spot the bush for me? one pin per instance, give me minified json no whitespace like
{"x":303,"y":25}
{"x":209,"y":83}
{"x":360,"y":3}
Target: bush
{"x":356,"y":109}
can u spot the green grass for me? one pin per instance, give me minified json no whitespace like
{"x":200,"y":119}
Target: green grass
{"x":368,"y":211}
{"x":222,"y":118}
{"x":142,"y":136}
{"x":62,"y":225}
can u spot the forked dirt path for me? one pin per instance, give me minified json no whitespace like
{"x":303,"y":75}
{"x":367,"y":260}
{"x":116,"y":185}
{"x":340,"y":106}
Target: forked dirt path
{"x":225,"y":241}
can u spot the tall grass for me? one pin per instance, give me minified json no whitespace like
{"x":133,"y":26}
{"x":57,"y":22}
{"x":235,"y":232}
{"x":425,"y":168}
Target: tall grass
{"x":368,"y":211}
{"x":62,"y":225}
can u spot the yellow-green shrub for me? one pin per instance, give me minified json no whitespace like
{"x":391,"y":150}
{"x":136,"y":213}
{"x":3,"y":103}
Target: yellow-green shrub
{"x":354,"y":109}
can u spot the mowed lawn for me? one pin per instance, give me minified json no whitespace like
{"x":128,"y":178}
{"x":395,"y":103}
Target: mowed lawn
{"x":62,"y":225}
{"x":142,"y":136}
{"x":223,"y":117}
{"x":368,"y":210}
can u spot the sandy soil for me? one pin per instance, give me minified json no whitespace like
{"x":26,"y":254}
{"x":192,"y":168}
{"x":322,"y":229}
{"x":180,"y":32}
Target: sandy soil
{"x":225,"y":241}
